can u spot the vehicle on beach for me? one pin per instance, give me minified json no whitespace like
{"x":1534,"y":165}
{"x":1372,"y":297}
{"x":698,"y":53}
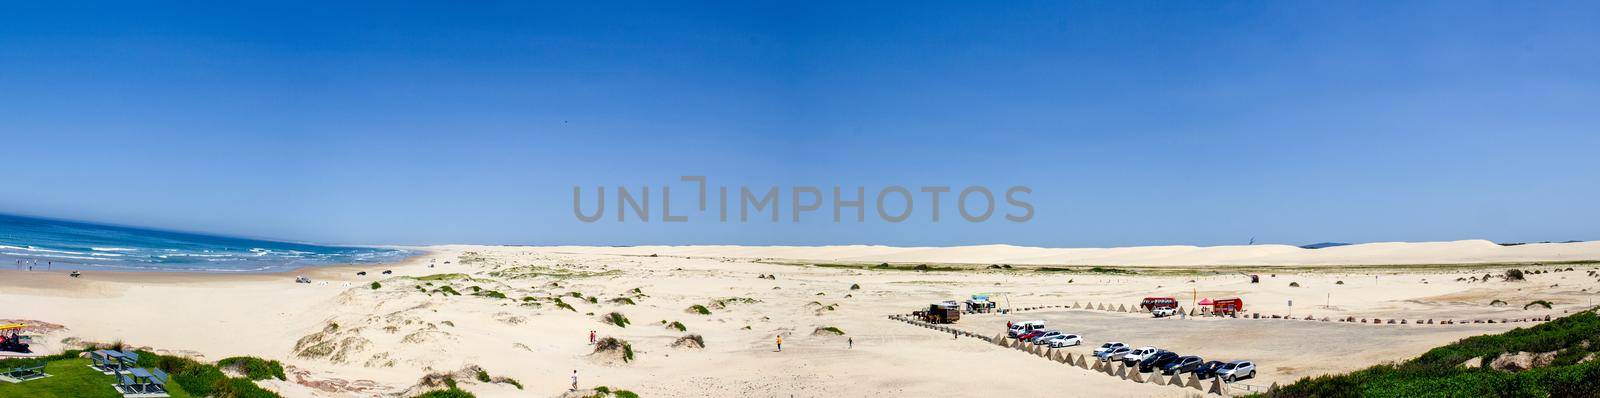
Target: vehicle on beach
{"x":1208,"y":369}
{"x":1066,"y":340}
{"x":12,"y":340}
{"x":1156,"y":303}
{"x":943,"y":312}
{"x":1043,"y":336}
{"x":1182,"y":364}
{"x":1139,"y":354}
{"x":1030,"y":335}
{"x":979,"y":303}
{"x":1236,"y":370}
{"x":1227,"y":306}
{"x":1113,"y":354}
{"x":1155,"y":362}
{"x":1164,"y":312}
{"x":1019,"y":328}
{"x":1108,"y":347}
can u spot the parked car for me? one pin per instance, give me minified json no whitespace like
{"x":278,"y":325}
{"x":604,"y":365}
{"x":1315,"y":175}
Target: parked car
{"x":1113,"y":354}
{"x":1108,"y":347}
{"x":1065,"y":340}
{"x":1030,"y":335}
{"x":1164,"y":312}
{"x":1233,"y":371}
{"x":1182,"y":364}
{"x":1139,"y":354}
{"x":1046,"y":335}
{"x":1155,"y":362}
{"x":1208,"y":369}
{"x":1018,"y":328}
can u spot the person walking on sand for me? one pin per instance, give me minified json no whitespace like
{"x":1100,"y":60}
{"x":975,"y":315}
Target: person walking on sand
{"x":591,"y":337}
{"x":574,"y":380}
{"x":780,"y":343}
{"x":851,"y":341}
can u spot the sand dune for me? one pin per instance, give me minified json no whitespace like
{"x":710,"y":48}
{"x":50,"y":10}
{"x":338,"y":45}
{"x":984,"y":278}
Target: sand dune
{"x":1457,"y":252}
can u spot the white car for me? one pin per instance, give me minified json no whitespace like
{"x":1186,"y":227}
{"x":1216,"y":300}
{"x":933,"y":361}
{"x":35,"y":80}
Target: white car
{"x":1065,"y":340}
{"x":1233,"y":371}
{"x":1164,"y":312}
{"x":1139,"y":354}
{"x":1108,"y":347}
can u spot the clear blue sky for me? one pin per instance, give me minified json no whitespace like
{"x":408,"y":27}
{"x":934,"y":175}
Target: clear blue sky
{"x":1136,"y":123}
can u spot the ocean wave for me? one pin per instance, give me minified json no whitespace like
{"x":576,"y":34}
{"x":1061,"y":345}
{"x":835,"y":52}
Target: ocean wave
{"x":113,"y":249}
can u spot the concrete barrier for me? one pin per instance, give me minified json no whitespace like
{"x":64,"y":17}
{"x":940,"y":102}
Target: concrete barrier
{"x":1217,"y":387}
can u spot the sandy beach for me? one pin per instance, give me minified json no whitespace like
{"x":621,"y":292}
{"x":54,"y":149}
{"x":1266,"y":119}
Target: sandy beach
{"x":525,"y":313}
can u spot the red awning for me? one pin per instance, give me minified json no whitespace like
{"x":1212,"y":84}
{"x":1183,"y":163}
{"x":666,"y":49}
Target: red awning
{"x":1205,"y":302}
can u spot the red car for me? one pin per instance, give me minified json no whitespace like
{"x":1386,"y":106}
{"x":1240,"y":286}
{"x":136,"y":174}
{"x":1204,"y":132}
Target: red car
{"x":1030,"y":335}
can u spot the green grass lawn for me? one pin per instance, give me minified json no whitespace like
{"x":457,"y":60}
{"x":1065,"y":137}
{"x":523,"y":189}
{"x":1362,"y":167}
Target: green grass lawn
{"x":72,"y":378}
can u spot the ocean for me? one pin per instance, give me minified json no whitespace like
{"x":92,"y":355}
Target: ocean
{"x":57,"y":244}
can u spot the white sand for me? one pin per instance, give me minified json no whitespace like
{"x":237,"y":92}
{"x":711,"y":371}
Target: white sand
{"x":1458,"y":252}
{"x":389,"y":338}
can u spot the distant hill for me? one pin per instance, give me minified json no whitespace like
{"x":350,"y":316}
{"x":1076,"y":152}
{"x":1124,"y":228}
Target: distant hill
{"x":1323,"y":244}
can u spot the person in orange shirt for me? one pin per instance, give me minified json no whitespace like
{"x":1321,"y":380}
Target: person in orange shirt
{"x":780,"y":343}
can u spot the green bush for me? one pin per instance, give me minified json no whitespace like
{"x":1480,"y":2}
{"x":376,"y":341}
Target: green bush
{"x":483,"y":376}
{"x":1437,"y":373}
{"x":452,"y":392}
{"x":616,"y":318}
{"x":699,"y":309}
{"x":376,"y":285}
{"x":255,"y":368}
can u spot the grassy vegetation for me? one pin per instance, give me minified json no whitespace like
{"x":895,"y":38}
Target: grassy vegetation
{"x":376,"y":285}
{"x":608,"y":392}
{"x":829,"y":330}
{"x":1546,"y":304}
{"x":613,"y":344}
{"x":490,"y":294}
{"x":616,"y":318}
{"x":621,"y":301}
{"x":72,"y":378}
{"x":444,"y":277}
{"x":452,"y":392}
{"x":699,"y":309}
{"x":676,"y":325}
{"x":254,"y":368}
{"x":536,"y":271}
{"x":1439,"y":372}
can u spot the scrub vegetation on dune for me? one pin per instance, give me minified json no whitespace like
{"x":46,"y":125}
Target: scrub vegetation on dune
{"x":1467,"y":368}
{"x":254,"y":368}
{"x":617,"y":319}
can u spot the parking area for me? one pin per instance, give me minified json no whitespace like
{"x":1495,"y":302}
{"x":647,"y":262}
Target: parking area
{"x":1283,"y":350}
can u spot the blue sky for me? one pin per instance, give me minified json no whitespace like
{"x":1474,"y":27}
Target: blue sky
{"x":1135,"y":123}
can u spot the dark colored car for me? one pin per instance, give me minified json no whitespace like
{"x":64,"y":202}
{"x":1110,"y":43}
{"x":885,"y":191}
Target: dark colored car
{"x":1156,"y":362}
{"x":1207,"y":370}
{"x":1030,"y":335}
{"x":1182,"y":364}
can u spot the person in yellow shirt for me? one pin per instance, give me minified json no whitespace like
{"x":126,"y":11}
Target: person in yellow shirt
{"x":780,"y":343}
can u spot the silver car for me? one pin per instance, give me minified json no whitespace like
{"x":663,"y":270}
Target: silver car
{"x":1233,"y":371}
